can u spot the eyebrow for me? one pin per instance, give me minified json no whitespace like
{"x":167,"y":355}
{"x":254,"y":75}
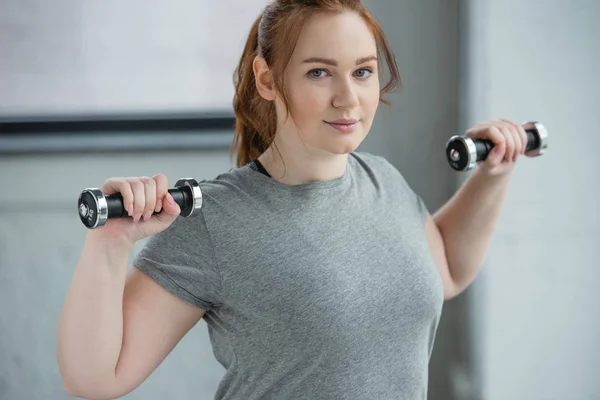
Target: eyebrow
{"x":334,"y":63}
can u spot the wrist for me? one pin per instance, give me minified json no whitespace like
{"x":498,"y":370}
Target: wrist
{"x":110,"y":242}
{"x":491,"y":181}
{"x":494,"y":172}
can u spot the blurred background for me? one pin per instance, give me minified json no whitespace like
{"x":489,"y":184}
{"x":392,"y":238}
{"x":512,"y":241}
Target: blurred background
{"x":94,"y":89}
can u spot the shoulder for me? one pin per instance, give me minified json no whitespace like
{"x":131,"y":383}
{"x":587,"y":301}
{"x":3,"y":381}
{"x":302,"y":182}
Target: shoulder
{"x":224,"y":184}
{"x":383,"y":174}
{"x":229,"y":190}
{"x":376,"y":165}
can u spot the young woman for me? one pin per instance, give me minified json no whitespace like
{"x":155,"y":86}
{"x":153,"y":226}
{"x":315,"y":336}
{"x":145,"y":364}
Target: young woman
{"x":319,"y":272}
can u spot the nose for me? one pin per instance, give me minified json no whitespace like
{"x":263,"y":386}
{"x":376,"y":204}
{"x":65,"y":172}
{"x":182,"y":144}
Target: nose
{"x":345,"y":95}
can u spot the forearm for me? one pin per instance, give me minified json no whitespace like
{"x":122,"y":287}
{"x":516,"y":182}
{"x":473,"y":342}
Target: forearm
{"x":90,"y":328}
{"x":467,"y":223}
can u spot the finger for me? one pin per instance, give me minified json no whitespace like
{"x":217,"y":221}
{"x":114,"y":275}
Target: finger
{"x":121,"y":186}
{"x":486,"y":131}
{"x":495,"y":134}
{"x":520,"y":135}
{"x":507,"y":129}
{"x":497,"y":154}
{"x":139,"y":198}
{"x":162,"y":187}
{"x":510,"y":142}
{"x":518,"y":143}
{"x":150,"y":194}
{"x":520,"y":130}
{"x":480,"y":131}
{"x":523,"y":136}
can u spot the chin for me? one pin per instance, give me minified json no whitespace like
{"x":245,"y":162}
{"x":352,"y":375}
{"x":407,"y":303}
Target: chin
{"x":338,"y":143}
{"x":345,"y":146}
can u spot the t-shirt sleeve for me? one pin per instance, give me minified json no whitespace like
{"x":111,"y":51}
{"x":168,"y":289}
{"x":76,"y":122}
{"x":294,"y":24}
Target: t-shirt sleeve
{"x":182,"y":260}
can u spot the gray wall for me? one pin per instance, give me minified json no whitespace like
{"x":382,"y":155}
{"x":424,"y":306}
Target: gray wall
{"x":525,"y":330}
{"x":535,"y":314}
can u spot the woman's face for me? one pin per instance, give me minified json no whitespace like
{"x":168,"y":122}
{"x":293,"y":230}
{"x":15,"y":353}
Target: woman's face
{"x":332,"y":75}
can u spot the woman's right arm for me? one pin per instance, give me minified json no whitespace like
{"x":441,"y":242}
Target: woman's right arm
{"x":117,"y":325}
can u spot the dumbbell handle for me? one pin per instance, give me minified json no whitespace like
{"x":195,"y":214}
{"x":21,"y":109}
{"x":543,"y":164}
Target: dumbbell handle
{"x":463,"y":153}
{"x":95,"y":207}
{"x":485,"y":146}
{"x":116,"y":208}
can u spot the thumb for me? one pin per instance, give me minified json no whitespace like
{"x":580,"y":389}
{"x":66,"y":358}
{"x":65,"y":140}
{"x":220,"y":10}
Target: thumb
{"x":170,"y":211}
{"x":497,"y":154}
{"x":170,"y":207}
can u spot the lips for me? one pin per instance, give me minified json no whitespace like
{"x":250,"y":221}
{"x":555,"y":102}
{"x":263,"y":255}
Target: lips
{"x":343,"y":121}
{"x":344,"y":125}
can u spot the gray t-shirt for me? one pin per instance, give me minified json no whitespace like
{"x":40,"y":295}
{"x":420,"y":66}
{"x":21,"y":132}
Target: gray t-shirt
{"x":324,"y":290}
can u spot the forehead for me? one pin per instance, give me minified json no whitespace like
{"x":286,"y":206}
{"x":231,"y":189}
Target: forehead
{"x":343,"y":37}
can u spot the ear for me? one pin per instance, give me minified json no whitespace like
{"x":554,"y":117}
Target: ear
{"x":263,"y":78}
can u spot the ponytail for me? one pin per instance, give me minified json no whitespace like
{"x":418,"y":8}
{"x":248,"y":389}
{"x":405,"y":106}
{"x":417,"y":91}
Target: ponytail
{"x":256,"y":118}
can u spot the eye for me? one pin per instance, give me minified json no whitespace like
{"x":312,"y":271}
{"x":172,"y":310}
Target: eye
{"x":368,"y":71}
{"x":312,"y":74}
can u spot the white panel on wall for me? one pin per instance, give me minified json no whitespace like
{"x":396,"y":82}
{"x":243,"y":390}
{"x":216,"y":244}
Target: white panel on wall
{"x":112,"y":56}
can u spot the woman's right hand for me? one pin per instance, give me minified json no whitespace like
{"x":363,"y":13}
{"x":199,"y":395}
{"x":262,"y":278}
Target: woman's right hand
{"x":142,"y":196}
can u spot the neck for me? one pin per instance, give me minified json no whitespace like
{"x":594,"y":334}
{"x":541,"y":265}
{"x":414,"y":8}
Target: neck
{"x":301,"y":167}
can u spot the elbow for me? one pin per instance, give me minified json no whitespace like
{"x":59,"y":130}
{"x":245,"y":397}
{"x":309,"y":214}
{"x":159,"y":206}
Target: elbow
{"x":450,"y":292}
{"x":91,"y":391}
{"x":74,"y":390}
{"x":68,"y":382}
{"x":91,"y":395}
{"x":453,"y":288}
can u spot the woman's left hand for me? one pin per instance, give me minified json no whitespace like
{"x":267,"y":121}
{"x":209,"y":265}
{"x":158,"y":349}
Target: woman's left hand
{"x":509,"y":140}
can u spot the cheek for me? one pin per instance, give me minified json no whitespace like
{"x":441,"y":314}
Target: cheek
{"x":374,"y":94}
{"x":308,"y":103}
{"x":370,"y":101}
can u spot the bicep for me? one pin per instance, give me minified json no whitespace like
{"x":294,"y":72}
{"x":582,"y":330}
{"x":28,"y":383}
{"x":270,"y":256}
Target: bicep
{"x":154,"y":321}
{"x":438,"y":251}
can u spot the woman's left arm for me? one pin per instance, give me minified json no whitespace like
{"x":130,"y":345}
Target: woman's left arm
{"x":461,"y":231}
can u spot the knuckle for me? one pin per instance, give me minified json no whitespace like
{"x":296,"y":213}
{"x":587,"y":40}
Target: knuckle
{"x":126,"y":191}
{"x":124,"y":188}
{"x":523,"y":135}
{"x":160,"y":178}
{"x":150,"y":187}
{"x":161,"y":184}
{"x":136,"y":184}
{"x":161,"y":191}
{"x":139,"y":201}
